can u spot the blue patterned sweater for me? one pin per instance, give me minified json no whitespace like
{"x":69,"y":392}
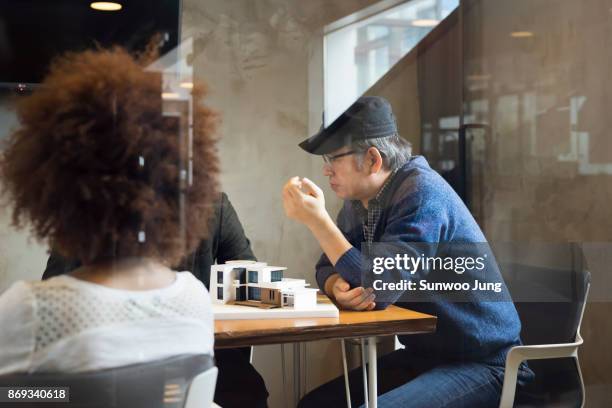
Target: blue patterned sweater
{"x":420,"y":207}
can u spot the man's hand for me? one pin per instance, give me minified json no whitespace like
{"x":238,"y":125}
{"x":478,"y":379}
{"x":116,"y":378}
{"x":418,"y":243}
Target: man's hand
{"x":304,"y":202}
{"x":351,"y":299}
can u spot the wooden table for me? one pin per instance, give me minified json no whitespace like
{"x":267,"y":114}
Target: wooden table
{"x":350,"y":324}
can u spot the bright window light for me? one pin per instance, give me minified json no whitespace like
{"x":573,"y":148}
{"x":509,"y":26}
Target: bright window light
{"x":358,"y":54}
{"x":425,"y":22}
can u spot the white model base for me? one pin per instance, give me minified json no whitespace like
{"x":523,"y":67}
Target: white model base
{"x":236,"y":312}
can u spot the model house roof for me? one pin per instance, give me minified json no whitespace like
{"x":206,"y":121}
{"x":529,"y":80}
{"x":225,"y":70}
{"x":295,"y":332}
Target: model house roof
{"x":269,"y":268}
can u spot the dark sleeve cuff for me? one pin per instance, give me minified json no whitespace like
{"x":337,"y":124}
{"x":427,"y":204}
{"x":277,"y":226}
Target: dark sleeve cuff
{"x":322,"y":275}
{"x":349,"y":266}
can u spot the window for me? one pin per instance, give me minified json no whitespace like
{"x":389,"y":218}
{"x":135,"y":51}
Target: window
{"x":241,"y":293}
{"x":358,"y":54}
{"x":240,"y":274}
{"x":220,"y":293}
{"x":220,"y":277}
{"x":276,"y":276}
{"x":253,"y":277}
{"x":254,"y":293}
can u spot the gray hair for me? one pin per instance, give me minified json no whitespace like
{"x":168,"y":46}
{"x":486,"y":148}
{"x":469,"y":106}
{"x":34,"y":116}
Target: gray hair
{"x":395,"y":150}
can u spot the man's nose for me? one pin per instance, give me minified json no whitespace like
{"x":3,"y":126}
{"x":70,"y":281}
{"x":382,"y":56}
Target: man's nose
{"x":327,"y":170}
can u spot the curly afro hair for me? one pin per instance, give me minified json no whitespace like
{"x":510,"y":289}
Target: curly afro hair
{"x":98,"y":171}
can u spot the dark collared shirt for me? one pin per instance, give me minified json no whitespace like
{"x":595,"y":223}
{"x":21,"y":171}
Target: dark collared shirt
{"x":371,"y":215}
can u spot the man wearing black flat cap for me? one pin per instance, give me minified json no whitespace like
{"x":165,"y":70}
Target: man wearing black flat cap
{"x":394,"y":198}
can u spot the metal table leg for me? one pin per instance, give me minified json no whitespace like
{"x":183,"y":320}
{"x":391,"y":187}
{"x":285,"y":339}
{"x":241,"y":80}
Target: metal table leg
{"x":366,"y":399}
{"x":297,"y":373}
{"x":372,"y":374}
{"x":346,"y":378}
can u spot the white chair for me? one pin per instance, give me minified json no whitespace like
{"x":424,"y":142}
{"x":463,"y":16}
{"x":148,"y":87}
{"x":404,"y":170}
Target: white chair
{"x":202,"y":390}
{"x":550,"y":330}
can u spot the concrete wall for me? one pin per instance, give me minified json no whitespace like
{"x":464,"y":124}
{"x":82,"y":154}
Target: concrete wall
{"x":20,"y":257}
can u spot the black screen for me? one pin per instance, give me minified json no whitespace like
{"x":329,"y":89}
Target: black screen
{"x":33,"y":32}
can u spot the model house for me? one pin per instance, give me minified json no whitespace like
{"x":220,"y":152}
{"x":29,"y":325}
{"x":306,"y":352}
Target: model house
{"x":257,"y":284}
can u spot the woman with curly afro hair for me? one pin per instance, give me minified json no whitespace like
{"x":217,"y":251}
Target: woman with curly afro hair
{"x":96,"y":170}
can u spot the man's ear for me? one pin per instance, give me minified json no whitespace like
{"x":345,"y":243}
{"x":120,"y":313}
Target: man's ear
{"x":374,"y":159}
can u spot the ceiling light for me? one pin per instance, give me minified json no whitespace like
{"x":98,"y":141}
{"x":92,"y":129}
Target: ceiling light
{"x":186,"y":85}
{"x":521,"y":34}
{"x":106,"y":6}
{"x":424,"y":22}
{"x":170,"y":95}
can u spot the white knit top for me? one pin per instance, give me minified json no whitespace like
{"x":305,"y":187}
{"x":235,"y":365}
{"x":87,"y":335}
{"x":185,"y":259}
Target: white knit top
{"x":69,"y":325}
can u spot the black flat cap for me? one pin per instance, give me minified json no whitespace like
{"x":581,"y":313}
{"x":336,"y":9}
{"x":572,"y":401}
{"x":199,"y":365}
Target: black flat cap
{"x":369,"y":117}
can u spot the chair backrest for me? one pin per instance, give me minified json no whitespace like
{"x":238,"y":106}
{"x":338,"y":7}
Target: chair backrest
{"x":156,"y":384}
{"x":202,"y":389}
{"x":550,"y":301}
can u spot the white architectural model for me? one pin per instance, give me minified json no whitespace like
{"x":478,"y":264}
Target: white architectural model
{"x":253,"y":283}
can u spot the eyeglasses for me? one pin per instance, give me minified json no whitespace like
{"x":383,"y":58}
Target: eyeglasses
{"x":329,"y":159}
